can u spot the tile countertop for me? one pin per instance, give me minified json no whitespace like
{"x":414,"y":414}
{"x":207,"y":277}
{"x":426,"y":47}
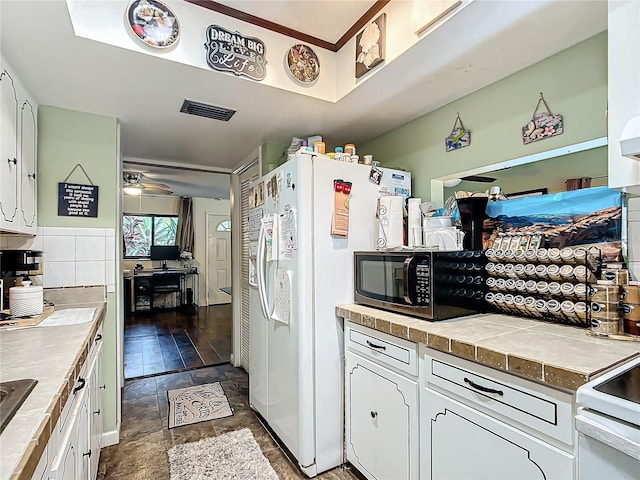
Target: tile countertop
{"x":556,"y":355}
{"x":54,"y":357}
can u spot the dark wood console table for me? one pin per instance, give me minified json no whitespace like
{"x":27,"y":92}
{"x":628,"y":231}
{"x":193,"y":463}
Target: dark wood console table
{"x":165,"y":289}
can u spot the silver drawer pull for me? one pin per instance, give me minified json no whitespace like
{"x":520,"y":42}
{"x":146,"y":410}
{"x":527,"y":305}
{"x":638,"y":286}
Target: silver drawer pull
{"x":373,"y":345}
{"x":481,"y":388}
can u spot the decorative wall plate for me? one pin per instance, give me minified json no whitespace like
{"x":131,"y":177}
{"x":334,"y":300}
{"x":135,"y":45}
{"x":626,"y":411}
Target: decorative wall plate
{"x":303,"y":63}
{"x":153,"y":23}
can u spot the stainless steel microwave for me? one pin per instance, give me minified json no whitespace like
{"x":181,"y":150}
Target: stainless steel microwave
{"x":434,"y":285}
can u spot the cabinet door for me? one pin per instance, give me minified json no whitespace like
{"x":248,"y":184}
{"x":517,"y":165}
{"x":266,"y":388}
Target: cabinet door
{"x":84,"y":447}
{"x":28,"y":141}
{"x":65,"y":463}
{"x":381,"y":421}
{"x":95,"y":414}
{"x":8,"y":150}
{"x":458,"y":442}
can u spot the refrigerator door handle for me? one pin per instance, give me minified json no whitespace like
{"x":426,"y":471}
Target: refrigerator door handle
{"x":253,"y":274}
{"x":260,"y":267}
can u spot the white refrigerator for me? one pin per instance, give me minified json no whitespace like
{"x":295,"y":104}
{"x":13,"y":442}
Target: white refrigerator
{"x":299,"y":272}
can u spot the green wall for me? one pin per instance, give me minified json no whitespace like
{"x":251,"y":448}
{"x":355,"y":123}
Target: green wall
{"x":531,"y":176}
{"x":272,"y":154}
{"x":67,"y":138}
{"x":574,"y":83}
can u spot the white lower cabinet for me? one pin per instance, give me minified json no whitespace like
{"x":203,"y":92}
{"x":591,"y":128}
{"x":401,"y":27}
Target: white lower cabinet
{"x":381,"y":405}
{"x":68,"y":463}
{"x":76,"y":445}
{"x":95,"y":415}
{"x":463,"y":443}
{"x":480,"y":423}
{"x":414,"y":412}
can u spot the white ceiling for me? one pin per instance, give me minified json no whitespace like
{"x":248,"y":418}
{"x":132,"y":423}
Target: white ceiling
{"x":145,"y":92}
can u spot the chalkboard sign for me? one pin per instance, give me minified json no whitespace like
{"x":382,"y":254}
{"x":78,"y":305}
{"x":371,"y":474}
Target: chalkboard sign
{"x":76,"y":200}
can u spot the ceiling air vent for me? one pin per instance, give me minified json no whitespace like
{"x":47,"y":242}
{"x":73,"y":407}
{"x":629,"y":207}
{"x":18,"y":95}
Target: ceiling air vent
{"x":209,"y":111}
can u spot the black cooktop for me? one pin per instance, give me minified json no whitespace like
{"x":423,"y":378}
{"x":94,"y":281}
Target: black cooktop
{"x":625,"y":386}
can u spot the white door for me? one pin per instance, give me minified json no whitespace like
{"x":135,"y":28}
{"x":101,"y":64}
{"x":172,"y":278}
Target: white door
{"x":218,"y":258}
{"x":451,"y":431}
{"x":241,"y":263}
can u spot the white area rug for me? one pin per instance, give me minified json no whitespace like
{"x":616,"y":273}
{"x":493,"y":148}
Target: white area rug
{"x":231,"y":456}
{"x":197,"y":404}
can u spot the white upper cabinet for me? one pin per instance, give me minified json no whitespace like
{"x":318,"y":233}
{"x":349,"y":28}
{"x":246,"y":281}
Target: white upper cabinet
{"x":624,"y":94}
{"x":18,"y":144}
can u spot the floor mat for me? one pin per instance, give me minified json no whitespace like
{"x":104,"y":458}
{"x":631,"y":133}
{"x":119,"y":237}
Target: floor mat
{"x":197,"y":404}
{"x":231,"y":456}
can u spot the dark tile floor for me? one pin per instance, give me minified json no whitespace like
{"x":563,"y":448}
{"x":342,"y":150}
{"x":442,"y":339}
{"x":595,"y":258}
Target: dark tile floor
{"x":173,"y":340}
{"x":145,"y":437}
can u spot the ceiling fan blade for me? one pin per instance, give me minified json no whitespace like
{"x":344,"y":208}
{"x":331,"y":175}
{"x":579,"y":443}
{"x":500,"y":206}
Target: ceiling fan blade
{"x":154,"y":189}
{"x":478,"y":178}
{"x":155,"y":185}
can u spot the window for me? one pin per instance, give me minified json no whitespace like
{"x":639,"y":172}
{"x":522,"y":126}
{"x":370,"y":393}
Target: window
{"x":142,"y":231}
{"x":224,"y":226}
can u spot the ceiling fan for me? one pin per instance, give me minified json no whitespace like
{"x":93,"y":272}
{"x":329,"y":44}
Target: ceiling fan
{"x":452,"y":182}
{"x":133,"y":185}
{"x":478,"y":178}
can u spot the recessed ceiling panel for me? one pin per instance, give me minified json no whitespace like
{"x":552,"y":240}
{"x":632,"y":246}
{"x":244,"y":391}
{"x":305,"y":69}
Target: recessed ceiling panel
{"x":325,"y":19}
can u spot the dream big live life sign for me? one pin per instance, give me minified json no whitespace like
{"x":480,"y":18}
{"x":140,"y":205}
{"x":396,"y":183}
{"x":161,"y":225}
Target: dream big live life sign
{"x":76,"y":200}
{"x":233,"y":52}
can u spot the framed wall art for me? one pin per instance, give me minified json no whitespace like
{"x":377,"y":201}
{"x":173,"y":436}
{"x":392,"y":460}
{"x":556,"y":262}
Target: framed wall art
{"x":303,"y":64}
{"x":153,"y":23}
{"x":370,"y":44}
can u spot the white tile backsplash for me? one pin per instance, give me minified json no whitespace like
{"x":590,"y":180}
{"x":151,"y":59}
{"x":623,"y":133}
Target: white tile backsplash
{"x":633,"y":241}
{"x":90,"y":232}
{"x":38,"y":243}
{"x":634,"y":270}
{"x":58,"y":231}
{"x":633,"y":203}
{"x":59,"y":248}
{"x":90,"y":273}
{"x":90,"y":248}
{"x":59,"y":274}
{"x":110,"y":248}
{"x":78,"y":256}
{"x":110,"y":272}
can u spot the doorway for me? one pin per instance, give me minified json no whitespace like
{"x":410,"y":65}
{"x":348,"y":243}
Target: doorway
{"x":218,"y":269}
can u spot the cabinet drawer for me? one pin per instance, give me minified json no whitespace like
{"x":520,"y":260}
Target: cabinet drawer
{"x":541,"y":408}
{"x":383,"y":348}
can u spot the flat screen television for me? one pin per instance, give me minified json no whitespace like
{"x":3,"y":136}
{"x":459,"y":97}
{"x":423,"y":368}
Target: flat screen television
{"x":164,"y":253}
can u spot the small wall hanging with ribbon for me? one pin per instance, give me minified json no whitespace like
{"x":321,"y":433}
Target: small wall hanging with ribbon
{"x":459,"y":138}
{"x":542,"y":125}
{"x":76,"y":199}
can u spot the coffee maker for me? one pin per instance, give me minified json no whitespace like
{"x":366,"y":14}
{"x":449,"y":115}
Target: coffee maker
{"x":472,"y":214}
{"x":15,"y":265}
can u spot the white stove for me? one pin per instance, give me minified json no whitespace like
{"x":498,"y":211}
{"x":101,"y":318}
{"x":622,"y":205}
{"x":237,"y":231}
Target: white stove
{"x":608,"y":424}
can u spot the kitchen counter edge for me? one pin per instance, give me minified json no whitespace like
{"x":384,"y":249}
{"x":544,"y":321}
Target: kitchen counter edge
{"x":26,"y":466}
{"x":501,"y":355}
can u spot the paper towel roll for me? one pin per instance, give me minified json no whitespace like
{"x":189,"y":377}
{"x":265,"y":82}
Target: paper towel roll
{"x":414,"y":222}
{"x":390,"y":231}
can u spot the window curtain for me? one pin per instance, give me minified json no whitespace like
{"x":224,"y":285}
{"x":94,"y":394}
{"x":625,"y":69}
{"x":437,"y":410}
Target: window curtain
{"x":185,"y":225}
